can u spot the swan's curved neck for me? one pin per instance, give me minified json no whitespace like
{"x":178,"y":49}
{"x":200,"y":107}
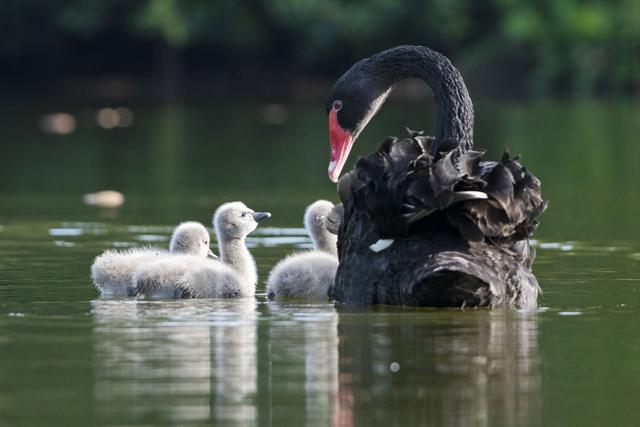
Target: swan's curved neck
{"x":454,"y":109}
{"x":235,"y":254}
{"x":323,"y":240}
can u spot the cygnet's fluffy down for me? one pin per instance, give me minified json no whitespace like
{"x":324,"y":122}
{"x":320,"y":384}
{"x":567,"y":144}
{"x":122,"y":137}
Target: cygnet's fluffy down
{"x":186,"y":276}
{"x":308,"y":274}
{"x":112,"y":271}
{"x":191,"y":238}
{"x":303,"y":275}
{"x":193,"y":277}
{"x":215,"y":280}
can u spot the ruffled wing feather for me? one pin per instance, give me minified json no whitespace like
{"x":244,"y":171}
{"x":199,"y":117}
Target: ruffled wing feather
{"x":402,"y":184}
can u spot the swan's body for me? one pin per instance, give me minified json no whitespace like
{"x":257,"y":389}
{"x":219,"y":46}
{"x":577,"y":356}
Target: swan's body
{"x":308,"y":274}
{"x":425,"y":222}
{"x":194,"y":277}
{"x":112,"y":271}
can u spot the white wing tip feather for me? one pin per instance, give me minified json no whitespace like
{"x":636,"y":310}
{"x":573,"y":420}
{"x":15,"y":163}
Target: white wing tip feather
{"x":381,"y":245}
{"x":461,"y":196}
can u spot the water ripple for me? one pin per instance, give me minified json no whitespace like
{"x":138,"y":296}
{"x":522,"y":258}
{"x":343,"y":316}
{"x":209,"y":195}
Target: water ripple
{"x":65,"y":231}
{"x":152,"y":238}
{"x":275,"y":231}
{"x":150,"y":229}
{"x":277,"y":241}
{"x":565,"y":247}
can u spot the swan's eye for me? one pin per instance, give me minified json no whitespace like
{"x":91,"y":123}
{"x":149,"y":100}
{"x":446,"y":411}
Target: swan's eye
{"x":244,"y":214}
{"x":336,"y":105}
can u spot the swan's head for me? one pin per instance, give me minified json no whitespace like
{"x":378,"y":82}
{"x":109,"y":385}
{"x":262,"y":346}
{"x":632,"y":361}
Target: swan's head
{"x":355,"y":98}
{"x":191,"y":238}
{"x":235,"y":220}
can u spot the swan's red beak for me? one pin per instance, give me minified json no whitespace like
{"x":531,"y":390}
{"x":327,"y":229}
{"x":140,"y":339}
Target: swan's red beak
{"x":340,"y":142}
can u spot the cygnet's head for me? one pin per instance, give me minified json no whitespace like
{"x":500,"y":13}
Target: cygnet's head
{"x":315,"y":221}
{"x":235,"y":220}
{"x":191,"y":238}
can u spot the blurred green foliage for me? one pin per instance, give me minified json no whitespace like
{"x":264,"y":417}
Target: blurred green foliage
{"x":558,"y":46}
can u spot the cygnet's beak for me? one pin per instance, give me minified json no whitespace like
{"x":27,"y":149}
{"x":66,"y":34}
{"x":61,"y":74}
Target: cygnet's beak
{"x":211,"y":255}
{"x":259,"y":216}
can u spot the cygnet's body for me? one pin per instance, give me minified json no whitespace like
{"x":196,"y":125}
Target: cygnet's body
{"x":308,"y":274}
{"x":112,"y":271}
{"x":191,"y":277}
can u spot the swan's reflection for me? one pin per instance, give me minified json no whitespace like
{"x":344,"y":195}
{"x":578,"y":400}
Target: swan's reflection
{"x":239,"y":362}
{"x":440,"y":368}
{"x":303,"y":354}
{"x":183,"y":361}
{"x":199,"y":360}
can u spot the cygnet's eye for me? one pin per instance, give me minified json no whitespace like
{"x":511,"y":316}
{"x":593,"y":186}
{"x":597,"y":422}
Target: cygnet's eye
{"x":336,"y":105}
{"x":244,"y":214}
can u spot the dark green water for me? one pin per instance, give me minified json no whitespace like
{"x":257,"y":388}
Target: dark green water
{"x":68,"y":357}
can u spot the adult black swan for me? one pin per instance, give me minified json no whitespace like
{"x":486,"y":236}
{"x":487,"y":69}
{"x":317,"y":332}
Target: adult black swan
{"x":425,"y":221}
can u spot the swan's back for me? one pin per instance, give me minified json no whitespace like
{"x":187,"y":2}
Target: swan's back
{"x":308,"y":275}
{"x":455,"y":228}
{"x":111,"y":272}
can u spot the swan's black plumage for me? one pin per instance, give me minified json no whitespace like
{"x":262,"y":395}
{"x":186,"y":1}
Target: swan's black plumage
{"x":459,"y":225}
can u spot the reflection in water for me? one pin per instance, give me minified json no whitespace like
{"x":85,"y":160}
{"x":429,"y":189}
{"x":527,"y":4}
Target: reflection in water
{"x":240,"y":362}
{"x":440,"y":368}
{"x":196,"y":361}
{"x":178,"y":361}
{"x":235,"y":365}
{"x":303,"y":354}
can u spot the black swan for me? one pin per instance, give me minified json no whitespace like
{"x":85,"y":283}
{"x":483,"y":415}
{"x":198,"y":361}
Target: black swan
{"x":425,"y":221}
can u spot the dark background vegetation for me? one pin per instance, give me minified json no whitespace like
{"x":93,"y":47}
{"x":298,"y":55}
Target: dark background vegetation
{"x":294,"y":48}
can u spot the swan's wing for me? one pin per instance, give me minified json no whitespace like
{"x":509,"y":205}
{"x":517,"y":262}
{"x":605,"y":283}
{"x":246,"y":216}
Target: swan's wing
{"x":513,"y":205}
{"x":396,"y":189}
